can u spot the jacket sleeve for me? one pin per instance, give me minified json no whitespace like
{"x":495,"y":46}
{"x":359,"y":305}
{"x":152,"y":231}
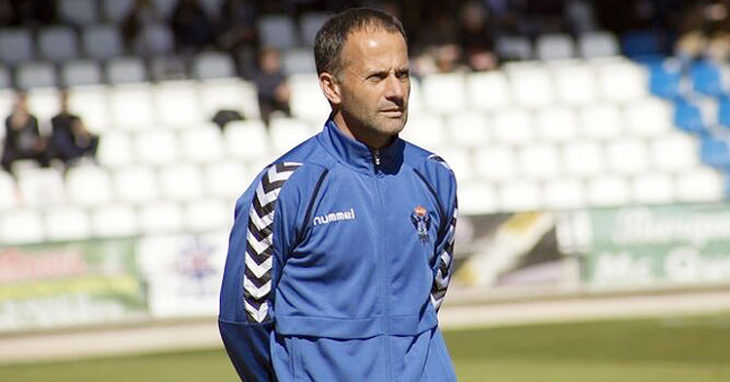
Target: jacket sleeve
{"x":246,"y":318}
{"x":445,"y":184}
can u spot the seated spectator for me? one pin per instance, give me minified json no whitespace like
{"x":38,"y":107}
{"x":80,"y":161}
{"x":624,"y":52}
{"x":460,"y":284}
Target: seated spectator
{"x":142,"y":14}
{"x":22,"y":137}
{"x":190,"y":24}
{"x":476,"y":37}
{"x":705,"y":31}
{"x":273,"y":91}
{"x":70,"y":140}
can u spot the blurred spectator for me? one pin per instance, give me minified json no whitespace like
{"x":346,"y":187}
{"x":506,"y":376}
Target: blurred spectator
{"x":70,"y":140}
{"x":273,"y":91}
{"x":477,"y":44}
{"x":27,"y":13}
{"x":142,"y":14}
{"x":22,"y":137}
{"x":190,"y":24}
{"x":238,"y":35}
{"x":579,"y":16}
{"x":705,"y":31}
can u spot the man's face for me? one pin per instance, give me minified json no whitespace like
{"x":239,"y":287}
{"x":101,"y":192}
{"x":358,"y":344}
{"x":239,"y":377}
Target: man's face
{"x":374,"y":82}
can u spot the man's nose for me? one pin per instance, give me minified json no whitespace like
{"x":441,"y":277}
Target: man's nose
{"x":395,"y":88}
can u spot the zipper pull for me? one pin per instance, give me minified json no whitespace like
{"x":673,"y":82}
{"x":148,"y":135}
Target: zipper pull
{"x":376,"y":157}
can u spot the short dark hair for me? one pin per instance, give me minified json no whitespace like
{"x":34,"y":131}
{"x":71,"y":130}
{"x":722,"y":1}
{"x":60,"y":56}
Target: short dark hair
{"x":333,"y":34}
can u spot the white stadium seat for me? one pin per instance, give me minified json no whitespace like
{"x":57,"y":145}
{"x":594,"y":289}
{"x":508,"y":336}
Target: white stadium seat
{"x":622,"y":81}
{"x":583,"y":159}
{"x":91,"y":103}
{"x":444,"y":93}
{"x":8,"y":191}
{"x":228,"y":94}
{"x":20,"y":226}
{"x":557,"y":124}
{"x":177,"y":104}
{"x":601,"y":121}
{"x":286,"y":133}
{"x":700,"y":185}
{"x":115,"y":149}
{"x":181,"y":182}
{"x":426,"y":130}
{"x":488,"y":91}
{"x":160,"y":217}
{"x":575,"y":84}
{"x":520,"y":195}
{"x":131,"y":106}
{"x":44,"y":104}
{"x":627,"y":156}
{"x":674,"y":152}
{"x":41,"y":187}
{"x":248,"y":140}
{"x":539,"y":161}
{"x":80,"y":73}
{"x":468,"y":129}
{"x":114,"y":220}
{"x":34,"y":75}
{"x":226,"y":179}
{"x":57,"y":43}
{"x":513,"y":126}
{"x":135,"y":185}
{"x":652,"y":188}
{"x":206,"y":215}
{"x":213,"y":65}
{"x":531,"y":84}
{"x":608,"y":190}
{"x":496,"y":163}
{"x":88,"y":186}
{"x":65,"y":223}
{"x":203,"y":143}
{"x":556,"y":46}
{"x":459,"y":161}
{"x":277,"y":31}
{"x":477,"y":198}
{"x":649,"y":117}
{"x":307,"y":100}
{"x":156,"y":147}
{"x":565,"y":193}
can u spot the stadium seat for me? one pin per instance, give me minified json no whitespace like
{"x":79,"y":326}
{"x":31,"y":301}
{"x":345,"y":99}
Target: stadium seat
{"x":608,"y":190}
{"x":706,"y":78}
{"x":468,"y":130}
{"x":539,"y":161}
{"x":91,"y":103}
{"x":583,"y":159}
{"x":496,"y":163}
{"x":510,"y":48}
{"x":426,"y":130}
{"x":598,"y":44}
{"x":135,"y":185}
{"x":622,"y":81}
{"x":444,"y":93}
{"x":207,"y":215}
{"x":557,"y":124}
{"x":565,"y":193}
{"x":16,"y":46}
{"x":277,"y":31}
{"x":520,"y":195}
{"x":665,"y":79}
{"x":115,"y":149}
{"x":652,"y":188}
{"x":513,"y":126}
{"x":286,"y":133}
{"x":40,"y":187}
{"x":203,"y":143}
{"x":102,"y":41}
{"x":554,"y":47}
{"x":57,"y":43}
{"x":21,"y":226}
{"x":488,"y":91}
{"x":226,"y":179}
{"x":36,"y":75}
{"x":459,"y":161}
{"x":531,"y":85}
{"x":674,"y":152}
{"x":8,"y":192}
{"x":247,"y":140}
{"x":168,"y":67}
{"x":78,"y":12}
{"x":649,"y":117}
{"x":6,"y":79}
{"x":700,"y":185}
{"x":160,"y":218}
{"x":81,"y":72}
{"x":212,"y":65}
{"x":307,"y":101}
{"x":180,"y":182}
{"x":176,"y":103}
{"x":477,"y":198}
{"x":115,"y":11}
{"x":154,"y":39}
{"x":114,"y":220}
{"x":688,"y":116}
{"x":131,"y":106}
{"x":642,"y":43}
{"x":601,"y":121}
{"x":156,"y":147}
{"x":44,"y":104}
{"x":126,"y":70}
{"x":298,"y":60}
{"x":64,"y":223}
{"x":230,"y":94}
{"x":575,"y":84}
{"x":88,"y":186}
{"x":627,"y":156}
{"x":309,"y":26}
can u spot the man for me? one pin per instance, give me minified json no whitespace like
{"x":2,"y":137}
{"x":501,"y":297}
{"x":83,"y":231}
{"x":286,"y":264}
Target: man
{"x":22,"y":137}
{"x":70,"y":140}
{"x":341,"y":250}
{"x":271,"y":87}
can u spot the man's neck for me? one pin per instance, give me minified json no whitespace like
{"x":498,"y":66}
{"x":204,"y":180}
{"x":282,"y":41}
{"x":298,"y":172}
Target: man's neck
{"x":372,"y":140}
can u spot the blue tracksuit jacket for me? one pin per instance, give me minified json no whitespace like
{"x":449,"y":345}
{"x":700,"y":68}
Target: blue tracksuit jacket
{"x":339,"y":259}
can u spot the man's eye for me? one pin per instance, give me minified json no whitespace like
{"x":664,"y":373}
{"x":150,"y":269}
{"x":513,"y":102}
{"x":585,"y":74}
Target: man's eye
{"x":377,"y":77}
{"x":403,"y":75}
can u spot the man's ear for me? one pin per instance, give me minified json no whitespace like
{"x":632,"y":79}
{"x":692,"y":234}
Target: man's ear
{"x":330,"y":87}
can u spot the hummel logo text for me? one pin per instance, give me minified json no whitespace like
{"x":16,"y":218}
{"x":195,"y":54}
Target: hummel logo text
{"x":335,"y":217}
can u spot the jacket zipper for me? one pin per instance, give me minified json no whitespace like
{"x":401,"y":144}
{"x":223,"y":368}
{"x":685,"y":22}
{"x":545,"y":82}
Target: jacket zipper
{"x":376,"y":158}
{"x":384,"y":273}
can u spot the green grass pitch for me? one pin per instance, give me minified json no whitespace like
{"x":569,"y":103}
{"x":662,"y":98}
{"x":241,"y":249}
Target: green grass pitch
{"x":662,"y":350}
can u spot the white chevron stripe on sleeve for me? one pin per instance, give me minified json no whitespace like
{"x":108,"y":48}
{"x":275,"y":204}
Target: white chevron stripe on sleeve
{"x":259,"y":270}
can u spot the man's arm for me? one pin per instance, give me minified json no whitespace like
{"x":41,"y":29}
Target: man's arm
{"x":246,"y":318}
{"x":445,"y":253}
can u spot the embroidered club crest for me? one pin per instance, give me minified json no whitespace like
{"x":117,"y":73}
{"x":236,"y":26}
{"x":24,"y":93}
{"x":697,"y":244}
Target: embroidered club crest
{"x":422,"y":222}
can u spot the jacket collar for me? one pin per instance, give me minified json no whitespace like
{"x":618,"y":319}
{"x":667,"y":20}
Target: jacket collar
{"x":359,"y":156}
